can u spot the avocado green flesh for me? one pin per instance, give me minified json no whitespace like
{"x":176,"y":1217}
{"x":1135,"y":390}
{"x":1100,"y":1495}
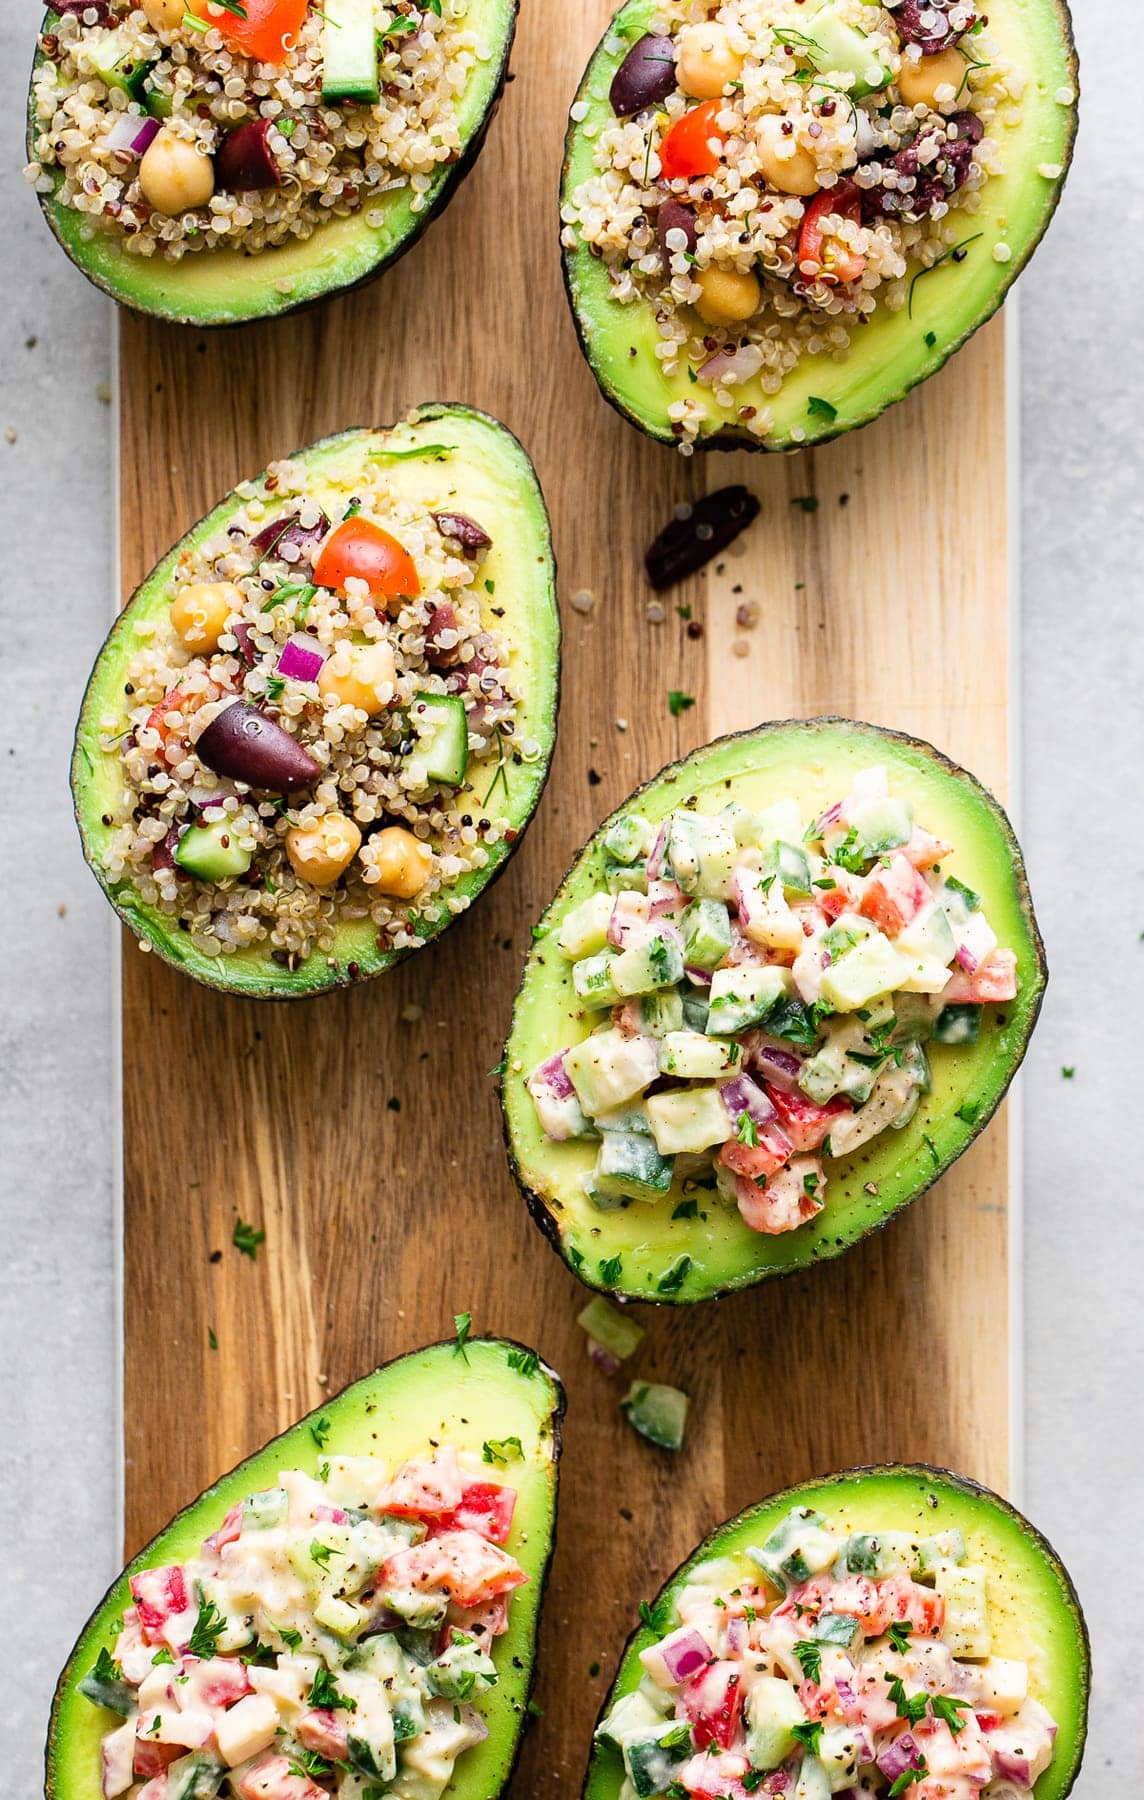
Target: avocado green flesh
{"x":227,"y":287}
{"x":486,"y":475}
{"x":1034,"y":1612}
{"x":891,"y":354}
{"x":394,"y":1413}
{"x":813,"y":762}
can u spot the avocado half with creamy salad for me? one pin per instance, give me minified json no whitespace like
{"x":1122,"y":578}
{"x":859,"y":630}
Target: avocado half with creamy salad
{"x":214,"y":163}
{"x":353,"y":1608}
{"x":882,"y":1632}
{"x":322,"y":723}
{"x":775,"y":997}
{"x":778,"y":216}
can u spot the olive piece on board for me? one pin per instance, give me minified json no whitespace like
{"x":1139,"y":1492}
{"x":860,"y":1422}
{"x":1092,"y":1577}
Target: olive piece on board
{"x":244,"y":744}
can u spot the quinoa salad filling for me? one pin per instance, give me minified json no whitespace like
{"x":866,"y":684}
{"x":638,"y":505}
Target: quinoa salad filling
{"x":332,"y":1637}
{"x":319,"y":725}
{"x":777,"y":171}
{"x":768,"y":988}
{"x":820,"y":1664}
{"x":182,"y":125}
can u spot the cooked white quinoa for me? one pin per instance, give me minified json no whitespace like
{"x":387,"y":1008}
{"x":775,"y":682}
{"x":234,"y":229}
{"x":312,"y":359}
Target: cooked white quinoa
{"x":370,"y":767}
{"x":744,"y":223}
{"x":333,"y":162}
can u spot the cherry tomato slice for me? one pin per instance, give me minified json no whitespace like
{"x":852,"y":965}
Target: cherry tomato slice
{"x":686,"y":150}
{"x":359,"y":548}
{"x":820,"y":254}
{"x":268,"y":31}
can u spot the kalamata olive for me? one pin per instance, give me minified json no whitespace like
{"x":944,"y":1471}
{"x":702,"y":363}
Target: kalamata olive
{"x":675,"y":216}
{"x":244,"y":159}
{"x":288,"y":529}
{"x":685,"y":545}
{"x":442,"y":656}
{"x":931,"y":179}
{"x":473,"y":538}
{"x":244,"y":744}
{"x":926,"y":24}
{"x":644,"y":78}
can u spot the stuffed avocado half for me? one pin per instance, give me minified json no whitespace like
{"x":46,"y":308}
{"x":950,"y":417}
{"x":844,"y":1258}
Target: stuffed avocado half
{"x":775,"y":997}
{"x":893,"y":1630}
{"x":321,"y":724}
{"x":354,"y":1605}
{"x":353,"y":128}
{"x":734,"y":286}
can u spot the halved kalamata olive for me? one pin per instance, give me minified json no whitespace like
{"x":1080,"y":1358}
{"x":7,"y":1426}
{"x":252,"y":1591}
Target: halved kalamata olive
{"x":931,"y":178}
{"x":244,"y":744}
{"x":288,"y":529}
{"x":473,"y":538}
{"x":244,"y":159}
{"x":926,"y":24}
{"x":675,"y":216}
{"x":244,"y":638}
{"x":685,"y":545}
{"x":437,"y":655}
{"x":644,"y":78}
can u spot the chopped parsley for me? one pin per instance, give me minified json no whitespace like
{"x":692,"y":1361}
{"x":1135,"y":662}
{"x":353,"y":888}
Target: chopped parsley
{"x":673,"y":1279}
{"x":502,"y":1450}
{"x":321,"y":1553}
{"x":748,"y":1132}
{"x":809,"y":1732}
{"x":462,"y":1324}
{"x":247,"y":1239}
{"x":1068,"y":1071}
{"x":821,"y":409}
{"x":212,"y":1339}
{"x":687,"y":1209}
{"x":809,"y":1660}
{"x":948,"y":1709}
{"x":209,"y":1627}
{"x":325,"y":1695}
{"x":678,"y":702}
{"x":320,"y":1431}
{"x":908,"y":1777}
{"x":647,"y":1617}
{"x":969,"y":1112}
{"x":899,"y":1635}
{"x":611,"y":1269}
{"x":525,"y":1362}
{"x":808,"y":502}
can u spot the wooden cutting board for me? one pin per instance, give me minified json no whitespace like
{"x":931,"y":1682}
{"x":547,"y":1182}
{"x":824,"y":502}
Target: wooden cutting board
{"x":361,"y":1131}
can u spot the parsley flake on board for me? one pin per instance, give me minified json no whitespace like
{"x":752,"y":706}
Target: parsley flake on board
{"x":678,"y":702}
{"x":247,"y":1239}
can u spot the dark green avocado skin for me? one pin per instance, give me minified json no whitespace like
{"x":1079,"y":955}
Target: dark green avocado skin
{"x":435,"y":1387}
{"x":258,"y":296}
{"x":1052,"y":21}
{"x":526,"y":589}
{"x":1015,"y":1544}
{"x":758,"y":1259}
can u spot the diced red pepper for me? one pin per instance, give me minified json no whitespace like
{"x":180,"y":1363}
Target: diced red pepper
{"x":687,"y":151}
{"x":229,"y":1531}
{"x":462,"y":1564}
{"x":159,"y":1594}
{"x":805,"y":1124}
{"x":487,"y":1508}
{"x":273,"y":1779}
{"x":424,"y":1488}
{"x":153,"y":1759}
{"x":324,"y":1732}
{"x":894,"y":894}
{"x":765,"y":1157}
{"x":994,"y":979}
{"x":820,"y":254}
{"x":268,"y":31}
{"x":357,"y":549}
{"x":713,"y":1701}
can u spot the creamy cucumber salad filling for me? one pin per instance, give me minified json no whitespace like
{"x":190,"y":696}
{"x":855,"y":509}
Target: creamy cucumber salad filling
{"x":332,"y":1637}
{"x":761,"y":990}
{"x":824,"y":1664}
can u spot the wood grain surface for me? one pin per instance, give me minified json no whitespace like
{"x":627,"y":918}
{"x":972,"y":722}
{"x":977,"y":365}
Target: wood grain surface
{"x":361,"y":1131}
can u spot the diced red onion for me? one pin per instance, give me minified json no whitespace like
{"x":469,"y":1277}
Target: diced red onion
{"x":685,"y":1655}
{"x":553,"y":1075}
{"x":655,"y":860}
{"x":665,"y":897}
{"x":736,"y":1636}
{"x":966,"y":960}
{"x":301,"y":657}
{"x":900,"y":1754}
{"x":130,"y":134}
{"x":244,"y":638}
{"x":832,"y":816}
{"x":736,"y":365}
{"x":1012,"y":1765}
{"x":783,"y":1067}
{"x":603,"y":1359}
{"x":699,"y":977}
{"x":742,"y":1095}
{"x":474,"y":1724}
{"x":845,"y":1692}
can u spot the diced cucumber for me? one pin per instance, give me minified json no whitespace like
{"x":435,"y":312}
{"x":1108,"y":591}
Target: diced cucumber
{"x":349,"y":51}
{"x":592,"y":979}
{"x":617,"y":1331}
{"x":340,"y":1616}
{"x":442,"y":725}
{"x":262,"y":1512}
{"x":871,"y":968}
{"x":104,"y":1687}
{"x":461,"y":1670}
{"x":706,"y":934}
{"x":198,"y":1776}
{"x":924,"y":975}
{"x":657,"y":1412}
{"x":701,"y":853}
{"x":424,"y":1612}
{"x":812,"y":1782}
{"x":585,"y":929}
{"x":157,"y":101}
{"x":945,"y":1547}
{"x":876,"y":1553}
{"x":112,"y":62}
{"x":799,"y":1546}
{"x":963,"y":1588}
{"x":688,"y":1120}
{"x":839,"y":1754}
{"x":633,"y":1716}
{"x":629,"y":1167}
{"x":609,"y":1069}
{"x":661,"y":1012}
{"x":773,"y":1707}
{"x":789,"y":862}
{"x":958,"y":901}
{"x":743,"y":996}
{"x":625,"y":1118}
{"x":647,"y":967}
{"x":846,"y":50}
{"x":928,"y":936}
{"x":882,"y":824}
{"x":620,"y":876}
{"x":212,"y":852}
{"x":913,"y":1019}
{"x":694,"y":1057}
{"x":695,"y":1008}
{"x":561,"y":1115}
{"x":779,"y":823}
{"x":844,"y":934}
{"x":628,"y":838}
{"x":836,"y":1628}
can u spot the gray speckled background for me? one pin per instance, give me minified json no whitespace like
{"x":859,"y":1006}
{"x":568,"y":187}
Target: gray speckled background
{"x":1082,"y":744}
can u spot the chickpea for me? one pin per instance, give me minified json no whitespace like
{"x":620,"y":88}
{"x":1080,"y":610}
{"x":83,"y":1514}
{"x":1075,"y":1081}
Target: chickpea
{"x":174,"y":174}
{"x":729,"y":296}
{"x":705,"y":61}
{"x":785,"y":162}
{"x":164,"y":15}
{"x":320,"y":853}
{"x":402,"y":861}
{"x":357,"y":674}
{"x":919,"y":81}
{"x":199,"y":612}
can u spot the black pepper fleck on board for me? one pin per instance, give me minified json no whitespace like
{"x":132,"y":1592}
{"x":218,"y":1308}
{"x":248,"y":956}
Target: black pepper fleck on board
{"x":594,"y":778}
{"x":626,"y":1513}
{"x":843,"y":499}
{"x":215,"y":1256}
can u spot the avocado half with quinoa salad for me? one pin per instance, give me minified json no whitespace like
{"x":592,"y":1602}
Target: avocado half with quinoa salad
{"x":884,"y":1632}
{"x":352,"y":1609}
{"x":778,"y":216}
{"x":215,"y":161}
{"x":322,"y":723}
{"x":775,"y":997}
